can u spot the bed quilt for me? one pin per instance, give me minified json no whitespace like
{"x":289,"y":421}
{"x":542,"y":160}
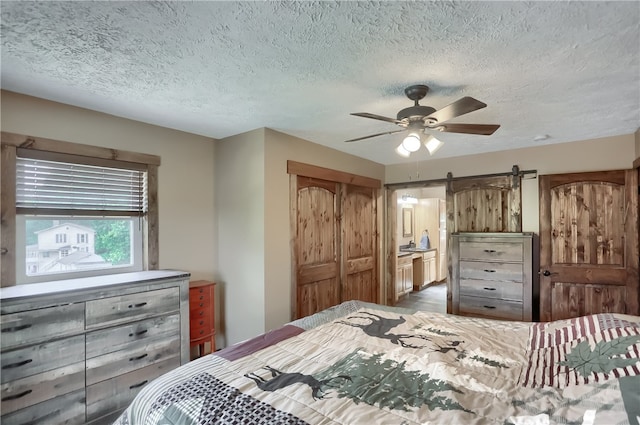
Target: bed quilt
{"x":360,"y":363}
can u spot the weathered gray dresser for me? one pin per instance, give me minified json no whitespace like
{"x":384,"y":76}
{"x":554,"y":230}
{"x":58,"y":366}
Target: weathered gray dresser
{"x":77,"y":351}
{"x":492,"y":275}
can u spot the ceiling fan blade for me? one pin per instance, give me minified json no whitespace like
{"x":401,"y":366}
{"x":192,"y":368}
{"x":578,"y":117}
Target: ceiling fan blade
{"x":376,"y":117}
{"x":459,"y":107}
{"x":483,"y":129}
{"x":374,"y":135}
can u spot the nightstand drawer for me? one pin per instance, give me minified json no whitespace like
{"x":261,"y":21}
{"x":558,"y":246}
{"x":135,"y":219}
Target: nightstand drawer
{"x":491,"y":308}
{"x":114,"y":310}
{"x":495,"y":251}
{"x":41,"y":358}
{"x":19,"y":329}
{"x":507,"y":272}
{"x":492,"y":289}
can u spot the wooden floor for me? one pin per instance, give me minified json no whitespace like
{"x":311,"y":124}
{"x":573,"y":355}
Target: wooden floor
{"x":432,"y":298}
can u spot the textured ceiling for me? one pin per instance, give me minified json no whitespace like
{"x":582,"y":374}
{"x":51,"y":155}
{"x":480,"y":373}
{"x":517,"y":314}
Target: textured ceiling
{"x":563,"y":71}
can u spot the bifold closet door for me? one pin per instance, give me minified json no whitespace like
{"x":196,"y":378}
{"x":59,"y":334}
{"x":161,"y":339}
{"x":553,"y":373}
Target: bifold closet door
{"x":316,"y":245}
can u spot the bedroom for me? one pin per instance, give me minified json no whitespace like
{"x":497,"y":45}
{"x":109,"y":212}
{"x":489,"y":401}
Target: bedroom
{"x":252,"y":262}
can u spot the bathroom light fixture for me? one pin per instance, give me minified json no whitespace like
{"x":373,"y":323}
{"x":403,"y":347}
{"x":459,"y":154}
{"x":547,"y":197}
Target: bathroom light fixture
{"x":409,"y":199}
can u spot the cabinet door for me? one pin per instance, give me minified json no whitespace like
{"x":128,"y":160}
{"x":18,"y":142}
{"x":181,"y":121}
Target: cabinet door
{"x":408,"y":278}
{"x":432,"y":270}
{"x":399,"y":281}
{"x":428,"y":277}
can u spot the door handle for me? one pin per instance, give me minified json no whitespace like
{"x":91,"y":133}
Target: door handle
{"x":547,"y":273}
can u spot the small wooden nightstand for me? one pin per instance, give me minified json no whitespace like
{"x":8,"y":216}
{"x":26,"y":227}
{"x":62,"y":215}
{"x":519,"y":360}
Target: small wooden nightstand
{"x":201,"y":316}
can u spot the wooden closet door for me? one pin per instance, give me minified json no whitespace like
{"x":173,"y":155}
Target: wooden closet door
{"x":588,"y":244}
{"x":359,"y":242}
{"x":316,"y":246}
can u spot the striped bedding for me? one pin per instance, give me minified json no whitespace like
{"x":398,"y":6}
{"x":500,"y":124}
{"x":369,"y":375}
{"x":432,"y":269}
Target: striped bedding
{"x":361,"y":363}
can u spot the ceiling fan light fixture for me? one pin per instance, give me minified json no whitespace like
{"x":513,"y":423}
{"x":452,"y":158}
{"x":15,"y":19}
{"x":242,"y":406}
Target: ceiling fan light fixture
{"x":432,"y":144}
{"x":400,"y":150}
{"x":412,"y":142}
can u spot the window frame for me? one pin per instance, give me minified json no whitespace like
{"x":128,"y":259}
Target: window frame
{"x":92,"y":155}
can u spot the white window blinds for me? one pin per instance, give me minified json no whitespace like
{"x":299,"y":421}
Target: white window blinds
{"x":51,"y":187}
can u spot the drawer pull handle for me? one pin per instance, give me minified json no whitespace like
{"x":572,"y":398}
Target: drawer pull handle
{"x":138,"y":385}
{"x":17,"y":396}
{"x":490,"y":250}
{"x":202,"y":322}
{"x":201,"y":297}
{"x":142,"y":332}
{"x":490,"y":289}
{"x":18,"y":364}
{"x":16,"y":328}
{"x":201,"y":313}
{"x":137,"y":305}
{"x":490,"y":307}
{"x":489,"y":271}
{"x":142,"y":356}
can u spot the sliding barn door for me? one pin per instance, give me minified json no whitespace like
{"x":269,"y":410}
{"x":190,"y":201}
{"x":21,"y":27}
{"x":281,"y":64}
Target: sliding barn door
{"x":481,"y":204}
{"x":316,"y":246}
{"x":359,"y":244}
{"x":588,"y":244}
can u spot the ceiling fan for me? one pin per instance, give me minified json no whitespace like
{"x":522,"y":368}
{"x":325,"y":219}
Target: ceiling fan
{"x":418,"y":118}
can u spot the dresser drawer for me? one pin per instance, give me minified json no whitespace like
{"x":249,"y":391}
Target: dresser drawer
{"x":43,"y":386}
{"x":29,"y":361}
{"x":116,"y":393}
{"x":492,"y":289}
{"x":201,"y":294}
{"x":68,"y":409}
{"x":509,"y":272}
{"x":26,"y":327}
{"x":491,"y":308}
{"x":195,"y":306}
{"x":126,"y":308}
{"x":496,"y":251}
{"x":121,"y":337}
{"x":200,"y":329}
{"x":139,"y":356}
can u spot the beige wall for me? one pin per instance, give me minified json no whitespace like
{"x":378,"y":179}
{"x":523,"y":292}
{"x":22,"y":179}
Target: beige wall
{"x":186,"y":212}
{"x":239,"y":217}
{"x":589,"y":155}
{"x":256,"y":275}
{"x":637,"y":137}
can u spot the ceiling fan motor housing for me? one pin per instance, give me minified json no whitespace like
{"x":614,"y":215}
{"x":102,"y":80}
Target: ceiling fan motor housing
{"x":417,"y":111}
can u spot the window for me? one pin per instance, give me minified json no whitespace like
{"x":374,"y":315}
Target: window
{"x":76,"y":215}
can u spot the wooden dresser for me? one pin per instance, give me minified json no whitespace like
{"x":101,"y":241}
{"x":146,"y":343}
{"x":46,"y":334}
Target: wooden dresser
{"x":202,"y":315}
{"x":77,"y":351}
{"x":492,"y":275}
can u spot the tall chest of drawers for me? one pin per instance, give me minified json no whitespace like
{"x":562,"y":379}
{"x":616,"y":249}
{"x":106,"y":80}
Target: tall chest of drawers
{"x":78,"y":351}
{"x":492,"y":275}
{"x":202,"y":315}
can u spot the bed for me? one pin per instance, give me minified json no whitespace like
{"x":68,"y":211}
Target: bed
{"x":361,"y":363}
